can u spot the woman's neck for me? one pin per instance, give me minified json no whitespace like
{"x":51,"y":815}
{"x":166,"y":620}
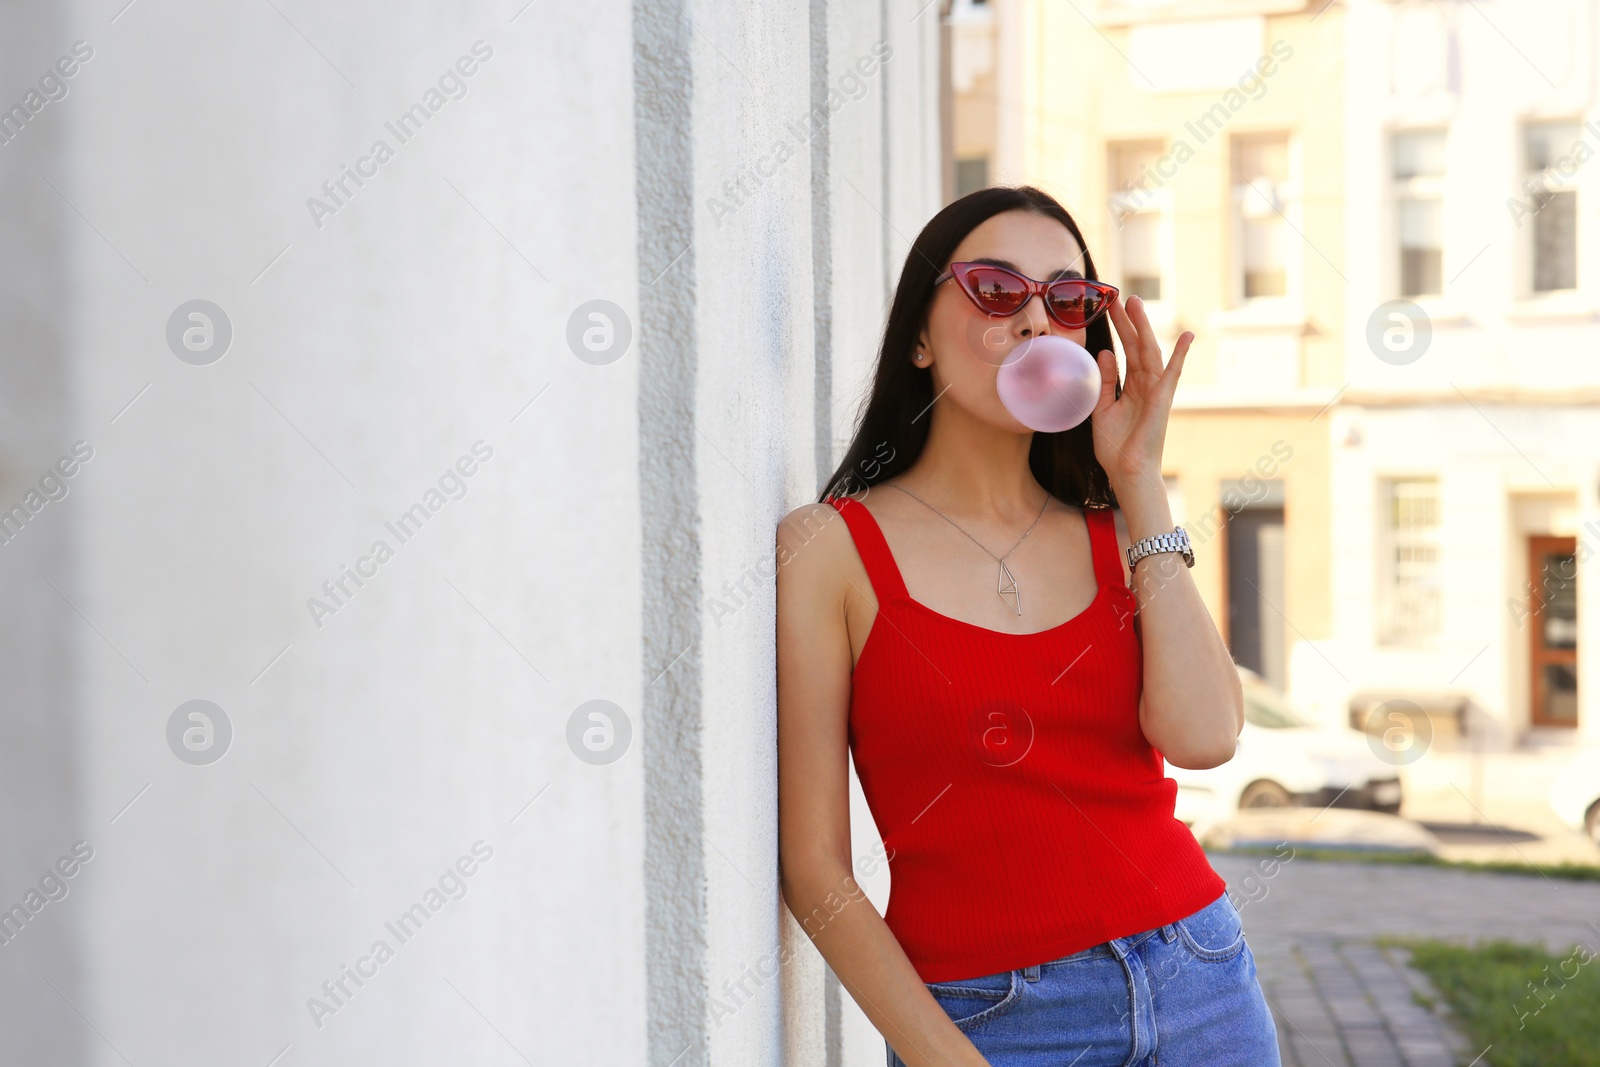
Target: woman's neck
{"x":972,"y":468}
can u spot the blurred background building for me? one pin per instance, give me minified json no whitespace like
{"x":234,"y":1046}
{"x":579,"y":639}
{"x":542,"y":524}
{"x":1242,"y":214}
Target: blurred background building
{"x":1372,"y":216}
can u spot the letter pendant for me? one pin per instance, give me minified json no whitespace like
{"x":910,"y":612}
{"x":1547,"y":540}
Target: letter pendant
{"x":1008,"y":589}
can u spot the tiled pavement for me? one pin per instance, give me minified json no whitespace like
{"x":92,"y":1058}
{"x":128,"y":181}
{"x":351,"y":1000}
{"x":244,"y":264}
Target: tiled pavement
{"x":1341,"y":1000}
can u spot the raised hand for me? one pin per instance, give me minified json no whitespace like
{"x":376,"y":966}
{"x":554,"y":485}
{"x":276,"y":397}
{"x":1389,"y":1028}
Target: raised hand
{"x":1129,"y":430}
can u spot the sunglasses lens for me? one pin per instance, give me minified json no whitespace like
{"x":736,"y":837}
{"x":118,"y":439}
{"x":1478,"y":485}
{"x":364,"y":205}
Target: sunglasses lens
{"x":1075,"y":303}
{"x":996,"y":291}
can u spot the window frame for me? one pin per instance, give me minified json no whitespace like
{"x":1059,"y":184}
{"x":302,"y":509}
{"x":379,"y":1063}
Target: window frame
{"x":1416,"y":187}
{"x":1291,"y":304}
{"x":1389,"y":602}
{"x":1158,"y":202}
{"x":1527,"y":243}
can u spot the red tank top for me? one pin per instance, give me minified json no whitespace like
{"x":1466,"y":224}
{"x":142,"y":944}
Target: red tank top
{"x":1023,"y":812}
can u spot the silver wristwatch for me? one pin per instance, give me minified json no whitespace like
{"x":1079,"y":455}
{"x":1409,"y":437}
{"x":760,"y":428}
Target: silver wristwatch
{"x":1176,"y":541}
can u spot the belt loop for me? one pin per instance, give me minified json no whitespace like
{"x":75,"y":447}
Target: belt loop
{"x":1031,"y":973}
{"x":1168,"y":934}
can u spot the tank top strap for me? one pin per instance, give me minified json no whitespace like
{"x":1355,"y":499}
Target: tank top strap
{"x":1103,"y":545}
{"x":873,"y":549}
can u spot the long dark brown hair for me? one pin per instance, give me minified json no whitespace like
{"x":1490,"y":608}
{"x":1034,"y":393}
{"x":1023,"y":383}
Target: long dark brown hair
{"x":887,"y":441}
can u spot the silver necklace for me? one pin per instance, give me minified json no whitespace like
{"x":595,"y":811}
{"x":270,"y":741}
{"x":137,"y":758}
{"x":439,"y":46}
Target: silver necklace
{"x":1007,"y":584}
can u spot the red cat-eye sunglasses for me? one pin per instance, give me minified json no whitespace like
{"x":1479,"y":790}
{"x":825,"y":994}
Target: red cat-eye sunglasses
{"x":997,"y":291}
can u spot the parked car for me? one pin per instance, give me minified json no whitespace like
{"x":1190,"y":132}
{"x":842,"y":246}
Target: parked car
{"x":1285,"y":760}
{"x":1575,"y":793}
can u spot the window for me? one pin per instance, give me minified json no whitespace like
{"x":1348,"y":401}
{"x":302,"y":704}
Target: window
{"x":1409,"y":602}
{"x":1139,"y":205}
{"x":1548,"y":164}
{"x":1418,"y":189}
{"x":1261,"y":195}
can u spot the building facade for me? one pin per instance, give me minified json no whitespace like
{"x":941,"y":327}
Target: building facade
{"x":1199,"y":150}
{"x":1466,"y":441}
{"x":1377,"y":219}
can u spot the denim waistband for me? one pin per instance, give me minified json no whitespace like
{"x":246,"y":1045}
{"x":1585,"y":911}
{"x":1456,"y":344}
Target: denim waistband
{"x":1117,"y":947}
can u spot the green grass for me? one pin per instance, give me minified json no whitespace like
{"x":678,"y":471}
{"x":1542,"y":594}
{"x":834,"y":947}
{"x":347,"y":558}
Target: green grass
{"x":1486,"y":987}
{"x":1578,"y":872}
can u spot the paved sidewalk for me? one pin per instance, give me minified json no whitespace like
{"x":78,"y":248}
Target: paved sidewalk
{"x":1339,"y":999}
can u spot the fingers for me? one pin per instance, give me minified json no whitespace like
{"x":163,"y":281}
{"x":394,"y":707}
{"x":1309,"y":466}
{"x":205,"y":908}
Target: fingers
{"x":1139,"y":341}
{"x":1107,"y":361}
{"x":1169,"y":377}
{"x":1179,"y":350}
{"x":1132,"y":348}
{"x":1147,"y":334}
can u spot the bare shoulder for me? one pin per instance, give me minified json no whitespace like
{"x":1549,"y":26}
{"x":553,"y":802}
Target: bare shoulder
{"x":803,"y":526}
{"x":814,"y":549}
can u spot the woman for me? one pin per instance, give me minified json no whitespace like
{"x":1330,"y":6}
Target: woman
{"x":968,"y":633}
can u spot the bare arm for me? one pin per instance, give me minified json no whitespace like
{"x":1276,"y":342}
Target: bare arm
{"x":1192,"y":707}
{"x":818,"y":569}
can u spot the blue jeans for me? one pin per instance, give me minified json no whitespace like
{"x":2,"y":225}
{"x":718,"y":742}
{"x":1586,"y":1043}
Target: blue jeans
{"x":1180,"y":995}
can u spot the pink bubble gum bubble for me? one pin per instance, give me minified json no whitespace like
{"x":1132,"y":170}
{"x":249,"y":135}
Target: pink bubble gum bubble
{"x":1049,"y":383}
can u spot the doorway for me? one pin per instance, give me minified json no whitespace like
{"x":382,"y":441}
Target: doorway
{"x":1553,"y":631}
{"x":1256,"y":590}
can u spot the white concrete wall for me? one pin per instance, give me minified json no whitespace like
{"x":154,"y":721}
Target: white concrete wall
{"x":374,"y":342}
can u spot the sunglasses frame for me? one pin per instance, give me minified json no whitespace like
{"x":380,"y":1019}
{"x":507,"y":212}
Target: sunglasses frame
{"x":961,"y":272}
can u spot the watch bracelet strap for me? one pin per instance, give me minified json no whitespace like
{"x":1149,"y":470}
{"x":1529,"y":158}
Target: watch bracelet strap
{"x":1156,"y":544}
